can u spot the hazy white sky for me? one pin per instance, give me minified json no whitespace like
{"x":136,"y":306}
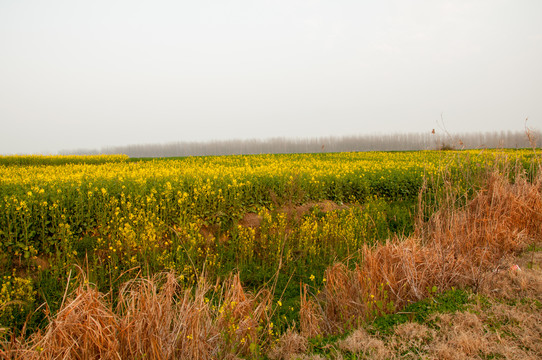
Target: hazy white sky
{"x":87,"y":74}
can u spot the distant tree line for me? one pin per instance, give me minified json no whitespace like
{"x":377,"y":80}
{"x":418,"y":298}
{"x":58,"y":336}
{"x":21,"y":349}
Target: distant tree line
{"x":387,"y":142}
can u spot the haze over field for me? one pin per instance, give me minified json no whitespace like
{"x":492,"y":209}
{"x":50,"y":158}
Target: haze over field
{"x":389,"y":142}
{"x":102,"y":74}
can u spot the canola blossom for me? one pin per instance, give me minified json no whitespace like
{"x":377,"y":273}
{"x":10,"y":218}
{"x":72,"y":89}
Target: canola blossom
{"x":138,"y":203}
{"x":113,"y":214}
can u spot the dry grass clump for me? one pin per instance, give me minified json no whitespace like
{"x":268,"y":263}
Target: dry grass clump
{"x":507,"y":331}
{"x":518,"y":327}
{"x":414,"y":334}
{"x":311,"y":318}
{"x":457,"y":249}
{"x":361,"y":343}
{"x":462,"y":332}
{"x":503,"y":326}
{"x":242,"y":318}
{"x":291,"y":345}
{"x":515,"y":278}
{"x":156,"y":319}
{"x":84,"y":328}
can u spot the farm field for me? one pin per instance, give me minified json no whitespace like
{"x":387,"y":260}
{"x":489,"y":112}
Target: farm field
{"x":271,"y":223}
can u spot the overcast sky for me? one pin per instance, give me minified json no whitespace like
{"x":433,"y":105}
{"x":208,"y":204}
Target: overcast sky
{"x":88,"y":74}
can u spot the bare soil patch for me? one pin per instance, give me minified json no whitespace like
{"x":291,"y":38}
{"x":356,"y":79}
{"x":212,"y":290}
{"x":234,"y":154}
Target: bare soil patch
{"x":294,"y":212}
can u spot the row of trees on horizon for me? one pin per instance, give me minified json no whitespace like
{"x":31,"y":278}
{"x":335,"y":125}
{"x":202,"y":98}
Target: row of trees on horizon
{"x":279,"y":145}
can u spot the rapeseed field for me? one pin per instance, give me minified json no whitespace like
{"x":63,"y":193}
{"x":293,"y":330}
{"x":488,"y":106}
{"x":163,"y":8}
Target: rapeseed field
{"x":282,"y":218}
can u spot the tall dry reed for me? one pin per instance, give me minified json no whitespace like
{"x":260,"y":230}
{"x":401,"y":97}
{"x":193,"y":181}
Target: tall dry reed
{"x":453,"y":249}
{"x":155,"y":318}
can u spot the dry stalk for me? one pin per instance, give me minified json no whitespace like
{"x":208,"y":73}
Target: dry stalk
{"x":457,"y":248}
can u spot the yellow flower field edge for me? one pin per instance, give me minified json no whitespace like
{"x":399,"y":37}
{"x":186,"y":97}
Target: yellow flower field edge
{"x":38,"y":160}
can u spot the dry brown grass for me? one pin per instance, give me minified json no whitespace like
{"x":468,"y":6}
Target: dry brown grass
{"x":365,"y":345}
{"x":507,"y":325}
{"x":159,"y":321}
{"x":291,"y":345}
{"x":84,"y":328}
{"x":311,"y":316}
{"x":459,"y":246}
{"x":154,"y":319}
{"x":522,"y":283}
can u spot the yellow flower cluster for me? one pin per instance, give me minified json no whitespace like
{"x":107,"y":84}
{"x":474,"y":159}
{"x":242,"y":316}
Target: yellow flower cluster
{"x":16,"y":293}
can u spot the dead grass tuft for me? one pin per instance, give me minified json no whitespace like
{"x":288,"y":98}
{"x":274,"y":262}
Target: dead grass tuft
{"x":311,"y":317}
{"x":509,"y":282}
{"x":458,"y":248}
{"x":464,"y":333}
{"x":291,"y":345}
{"x":240,"y":316}
{"x":84,"y":328}
{"x":160,"y":322}
{"x":363,"y":344}
{"x":156,"y":319}
{"x":414,"y":333}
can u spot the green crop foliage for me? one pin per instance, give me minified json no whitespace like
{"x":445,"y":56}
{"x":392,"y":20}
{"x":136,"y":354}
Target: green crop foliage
{"x":113,"y":216}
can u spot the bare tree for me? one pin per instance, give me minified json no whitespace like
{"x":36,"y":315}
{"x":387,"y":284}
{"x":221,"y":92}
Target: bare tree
{"x":375,"y":142}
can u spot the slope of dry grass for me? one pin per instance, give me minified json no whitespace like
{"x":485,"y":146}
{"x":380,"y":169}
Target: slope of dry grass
{"x":505,"y":322}
{"x":154,"y":319}
{"x":456,"y":249}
